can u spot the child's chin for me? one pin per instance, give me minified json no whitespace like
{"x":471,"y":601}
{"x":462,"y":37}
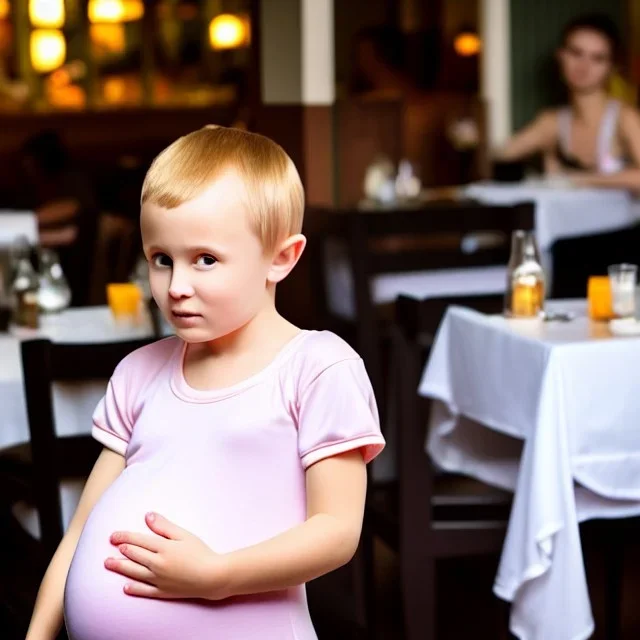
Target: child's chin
{"x":193,"y":335}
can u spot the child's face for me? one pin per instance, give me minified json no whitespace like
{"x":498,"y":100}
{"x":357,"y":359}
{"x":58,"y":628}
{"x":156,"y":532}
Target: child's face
{"x":207,"y":269}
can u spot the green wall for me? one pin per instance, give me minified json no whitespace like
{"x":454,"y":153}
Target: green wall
{"x":536,"y":26}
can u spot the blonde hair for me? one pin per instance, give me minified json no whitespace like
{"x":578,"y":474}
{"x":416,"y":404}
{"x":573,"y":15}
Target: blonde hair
{"x":275,"y":196}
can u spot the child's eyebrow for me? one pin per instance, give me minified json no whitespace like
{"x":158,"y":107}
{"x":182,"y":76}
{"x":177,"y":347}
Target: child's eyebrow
{"x":208,"y":249}
{"x":155,"y":248}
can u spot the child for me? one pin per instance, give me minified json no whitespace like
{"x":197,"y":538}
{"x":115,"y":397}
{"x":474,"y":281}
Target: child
{"x":234,"y":461}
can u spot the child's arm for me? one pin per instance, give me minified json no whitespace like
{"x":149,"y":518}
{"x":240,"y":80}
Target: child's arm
{"x":174,"y":563}
{"x":48,"y":615}
{"x":336,"y":489}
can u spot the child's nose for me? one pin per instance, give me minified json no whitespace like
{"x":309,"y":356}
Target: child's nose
{"x":180,"y":286}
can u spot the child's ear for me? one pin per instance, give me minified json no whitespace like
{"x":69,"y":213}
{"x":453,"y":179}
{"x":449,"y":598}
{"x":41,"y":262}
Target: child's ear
{"x":286,"y":257}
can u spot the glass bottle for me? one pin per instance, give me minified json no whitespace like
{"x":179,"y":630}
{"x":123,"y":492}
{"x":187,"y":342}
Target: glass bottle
{"x":54,"y":294}
{"x":525,"y":278}
{"x":25,"y":293}
{"x":5,"y":290}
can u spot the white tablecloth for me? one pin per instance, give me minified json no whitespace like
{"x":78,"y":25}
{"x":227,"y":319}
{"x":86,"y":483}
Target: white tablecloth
{"x":563,"y":212}
{"x":73,"y":402}
{"x":571,"y":392}
{"x":14,"y":224}
{"x":387,"y":287}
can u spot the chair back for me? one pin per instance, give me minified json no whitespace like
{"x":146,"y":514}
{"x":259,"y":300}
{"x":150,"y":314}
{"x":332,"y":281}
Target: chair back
{"x":437,"y":236}
{"x":412,"y":335}
{"x":54,"y":457}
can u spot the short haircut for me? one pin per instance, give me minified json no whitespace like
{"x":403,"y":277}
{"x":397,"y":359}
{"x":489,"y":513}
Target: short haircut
{"x":274,"y":192}
{"x":600,"y":23}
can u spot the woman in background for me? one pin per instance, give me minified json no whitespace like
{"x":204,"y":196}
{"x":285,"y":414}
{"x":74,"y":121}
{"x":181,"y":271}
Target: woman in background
{"x":594,"y":140}
{"x":64,"y":202}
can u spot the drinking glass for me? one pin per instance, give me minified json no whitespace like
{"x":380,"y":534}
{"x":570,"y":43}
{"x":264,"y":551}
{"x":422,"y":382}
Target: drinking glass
{"x":623,"y":279}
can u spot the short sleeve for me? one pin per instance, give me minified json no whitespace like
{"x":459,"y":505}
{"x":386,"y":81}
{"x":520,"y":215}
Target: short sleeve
{"x":338,"y":413}
{"x":111,"y":423}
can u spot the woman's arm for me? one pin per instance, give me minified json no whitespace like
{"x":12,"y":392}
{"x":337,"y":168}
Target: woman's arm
{"x":627,"y":178}
{"x":47,"y":614}
{"x":58,"y":237}
{"x":537,"y":137}
{"x":56,"y":211}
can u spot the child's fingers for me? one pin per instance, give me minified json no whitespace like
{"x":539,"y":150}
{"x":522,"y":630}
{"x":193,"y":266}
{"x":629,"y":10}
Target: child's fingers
{"x":163,"y":527}
{"x":152,"y":543}
{"x":138,"y":554}
{"x":129,"y":569}
{"x":143,"y":590}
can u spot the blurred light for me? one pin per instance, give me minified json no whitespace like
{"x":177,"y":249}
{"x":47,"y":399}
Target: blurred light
{"x":110,"y":11}
{"x":114,"y":90}
{"x":6,"y":38}
{"x":467,"y":44}
{"x":48,"y":14}
{"x":228,"y":31}
{"x":48,"y":50}
{"x":60,"y":78}
{"x":69,"y":97}
{"x":4,"y":9}
{"x":110,"y":38}
{"x":77,"y":69}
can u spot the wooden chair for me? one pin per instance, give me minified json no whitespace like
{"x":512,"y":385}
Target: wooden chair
{"x":427,"y":515}
{"x":54,"y":457}
{"x":415,"y":527}
{"x":440,"y":235}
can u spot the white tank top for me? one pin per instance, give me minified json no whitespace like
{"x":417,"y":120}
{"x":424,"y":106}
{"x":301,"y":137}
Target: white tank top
{"x":605,"y":162}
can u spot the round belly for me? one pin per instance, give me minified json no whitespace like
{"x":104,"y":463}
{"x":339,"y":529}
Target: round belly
{"x":96,"y":607}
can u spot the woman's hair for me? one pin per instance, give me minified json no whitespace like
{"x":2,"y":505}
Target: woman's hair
{"x":48,"y":152}
{"x":600,"y":23}
{"x":274,"y":192}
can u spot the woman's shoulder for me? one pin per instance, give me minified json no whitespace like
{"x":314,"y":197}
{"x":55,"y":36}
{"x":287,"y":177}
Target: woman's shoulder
{"x":551,"y":116}
{"x":629,"y":116}
{"x":547,"y":122}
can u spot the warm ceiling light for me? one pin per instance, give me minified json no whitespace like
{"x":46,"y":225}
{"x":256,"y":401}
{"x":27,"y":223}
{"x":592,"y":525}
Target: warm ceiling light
{"x":48,"y":14}
{"x":109,"y":38}
{"x":4,"y":9}
{"x":467,"y":44}
{"x":101,"y":11}
{"x":48,"y":50}
{"x":228,"y":31}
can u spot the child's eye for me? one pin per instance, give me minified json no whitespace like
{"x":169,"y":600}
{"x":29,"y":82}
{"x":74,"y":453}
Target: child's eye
{"x":206,"y":260}
{"x":161,"y":260}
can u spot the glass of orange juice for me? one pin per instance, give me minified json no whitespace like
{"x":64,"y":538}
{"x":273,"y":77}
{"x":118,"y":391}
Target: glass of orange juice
{"x":599,"y":298}
{"x":124,"y":299}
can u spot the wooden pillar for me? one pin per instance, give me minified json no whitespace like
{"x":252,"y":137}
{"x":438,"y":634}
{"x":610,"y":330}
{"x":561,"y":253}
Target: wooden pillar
{"x":297,"y":87}
{"x":496,"y":68}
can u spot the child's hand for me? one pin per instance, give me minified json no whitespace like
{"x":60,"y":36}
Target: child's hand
{"x":172,"y":564}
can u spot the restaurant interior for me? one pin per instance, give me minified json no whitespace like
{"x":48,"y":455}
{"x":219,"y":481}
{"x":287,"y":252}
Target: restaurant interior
{"x":472,"y":213}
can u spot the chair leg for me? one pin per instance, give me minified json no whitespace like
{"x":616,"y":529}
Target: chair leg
{"x":364,"y":584}
{"x":419,"y":598}
{"x":613,"y":586}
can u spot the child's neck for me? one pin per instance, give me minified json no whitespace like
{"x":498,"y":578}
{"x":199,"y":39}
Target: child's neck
{"x":265,"y":327}
{"x":240,"y":355}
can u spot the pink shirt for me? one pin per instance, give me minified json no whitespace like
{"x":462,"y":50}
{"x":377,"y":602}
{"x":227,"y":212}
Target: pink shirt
{"x":227,"y":465}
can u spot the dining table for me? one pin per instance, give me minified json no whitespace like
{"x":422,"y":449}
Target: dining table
{"x":73,"y":402}
{"x":18,"y":224}
{"x":549,"y":410}
{"x":561,"y":212}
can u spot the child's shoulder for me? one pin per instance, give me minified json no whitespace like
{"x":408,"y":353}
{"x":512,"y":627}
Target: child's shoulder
{"x":147,"y":361}
{"x":319,"y":351}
